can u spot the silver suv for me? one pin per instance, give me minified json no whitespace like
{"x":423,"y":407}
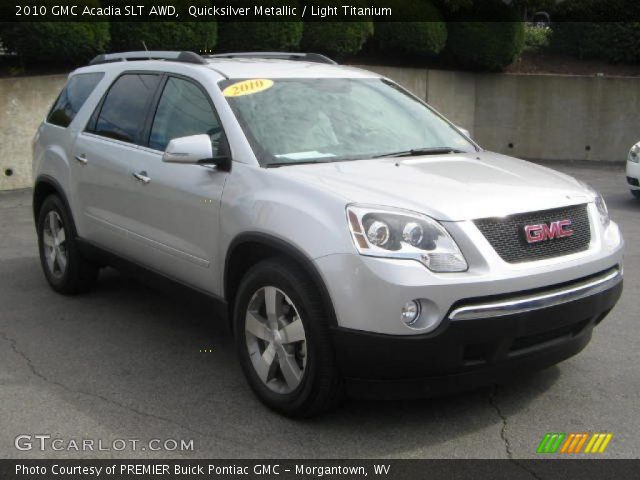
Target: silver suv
{"x":362,"y":243}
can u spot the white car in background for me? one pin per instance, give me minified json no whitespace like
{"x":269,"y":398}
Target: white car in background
{"x":633,"y":170}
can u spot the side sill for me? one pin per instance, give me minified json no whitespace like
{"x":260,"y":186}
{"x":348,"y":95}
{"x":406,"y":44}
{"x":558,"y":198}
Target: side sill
{"x":104,"y":256}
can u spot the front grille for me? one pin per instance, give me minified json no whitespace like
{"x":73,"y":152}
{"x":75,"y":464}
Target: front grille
{"x":507,"y":236}
{"x":633,"y":182}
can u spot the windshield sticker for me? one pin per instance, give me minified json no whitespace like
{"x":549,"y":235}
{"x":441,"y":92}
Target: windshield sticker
{"x":247,"y":87}
{"x":305,"y":155}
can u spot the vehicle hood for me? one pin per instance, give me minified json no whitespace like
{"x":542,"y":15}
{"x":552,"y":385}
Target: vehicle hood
{"x":452,"y":187}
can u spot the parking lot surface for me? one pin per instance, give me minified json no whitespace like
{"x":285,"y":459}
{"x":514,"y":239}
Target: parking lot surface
{"x":130,"y":361}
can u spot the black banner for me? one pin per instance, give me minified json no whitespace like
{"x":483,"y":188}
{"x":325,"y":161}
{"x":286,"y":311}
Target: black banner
{"x":579,"y":469}
{"x":316,"y":10}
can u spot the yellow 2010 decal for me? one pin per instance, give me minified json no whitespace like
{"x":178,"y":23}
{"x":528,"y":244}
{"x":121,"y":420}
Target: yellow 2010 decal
{"x":247,"y":87}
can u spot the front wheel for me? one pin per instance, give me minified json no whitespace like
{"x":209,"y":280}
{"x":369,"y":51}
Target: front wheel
{"x":636,"y":193}
{"x":283,"y":340}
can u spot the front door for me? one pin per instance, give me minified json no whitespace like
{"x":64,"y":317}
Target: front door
{"x":177,"y":206}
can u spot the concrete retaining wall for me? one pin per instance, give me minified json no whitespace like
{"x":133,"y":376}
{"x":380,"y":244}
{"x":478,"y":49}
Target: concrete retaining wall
{"x":24,"y":102}
{"x":539,"y":117}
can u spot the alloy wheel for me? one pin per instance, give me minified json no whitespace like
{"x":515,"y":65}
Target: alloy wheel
{"x":276,"y":340}
{"x":54,"y":240}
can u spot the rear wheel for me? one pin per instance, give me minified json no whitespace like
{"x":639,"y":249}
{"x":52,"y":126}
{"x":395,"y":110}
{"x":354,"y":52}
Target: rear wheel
{"x":66,"y":270}
{"x":636,"y":193}
{"x":283,"y":340}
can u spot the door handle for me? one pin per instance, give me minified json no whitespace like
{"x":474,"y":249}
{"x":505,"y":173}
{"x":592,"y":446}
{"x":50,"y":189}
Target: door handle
{"x":81,"y":158}
{"x":142,"y":177}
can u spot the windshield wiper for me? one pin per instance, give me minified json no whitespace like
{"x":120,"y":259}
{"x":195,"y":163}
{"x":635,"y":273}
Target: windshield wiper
{"x":300,"y":162}
{"x":421,"y":151}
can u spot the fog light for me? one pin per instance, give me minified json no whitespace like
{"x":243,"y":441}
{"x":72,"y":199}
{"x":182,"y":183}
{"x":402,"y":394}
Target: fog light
{"x":411,"y":312}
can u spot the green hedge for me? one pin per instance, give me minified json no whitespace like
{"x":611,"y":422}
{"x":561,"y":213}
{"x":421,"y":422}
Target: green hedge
{"x":69,"y":43}
{"x":193,"y":36}
{"x":260,"y":36}
{"x":480,"y":45}
{"x":580,"y":29}
{"x":622,"y":40}
{"x":416,"y":39}
{"x":337,"y":39}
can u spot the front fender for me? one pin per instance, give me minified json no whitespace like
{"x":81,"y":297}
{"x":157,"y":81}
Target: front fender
{"x":260,"y":200}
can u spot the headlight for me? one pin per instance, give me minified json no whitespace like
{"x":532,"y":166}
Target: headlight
{"x":390,"y":233}
{"x":602,"y":210}
{"x":601,"y":205}
{"x":634,"y":153}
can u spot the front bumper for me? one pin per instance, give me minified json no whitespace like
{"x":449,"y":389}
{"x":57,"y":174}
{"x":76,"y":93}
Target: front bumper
{"x":633,"y":175}
{"x":368,"y":293}
{"x":467,"y":353}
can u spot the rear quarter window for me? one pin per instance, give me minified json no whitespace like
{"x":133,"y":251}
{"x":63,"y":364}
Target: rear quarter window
{"x":72,"y":98}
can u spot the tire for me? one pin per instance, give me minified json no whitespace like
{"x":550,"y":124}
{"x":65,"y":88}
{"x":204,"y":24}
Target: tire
{"x":66,"y":270}
{"x":316,"y":385}
{"x":636,"y":193}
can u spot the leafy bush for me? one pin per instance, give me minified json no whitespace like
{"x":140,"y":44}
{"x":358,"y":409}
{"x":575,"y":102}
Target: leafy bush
{"x":479,"y":45}
{"x":581,"y":29}
{"x":416,"y":39}
{"x":536,"y":38}
{"x":194,"y":36}
{"x":452,"y":6}
{"x":69,"y":43}
{"x":616,"y":42}
{"x":336,"y":38}
{"x":260,"y":36}
{"x":621,"y":41}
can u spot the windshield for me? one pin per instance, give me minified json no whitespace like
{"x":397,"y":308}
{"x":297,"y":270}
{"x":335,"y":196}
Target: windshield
{"x":290,"y":121}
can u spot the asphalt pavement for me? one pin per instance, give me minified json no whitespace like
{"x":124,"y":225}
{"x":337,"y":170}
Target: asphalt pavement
{"x":132,"y":362}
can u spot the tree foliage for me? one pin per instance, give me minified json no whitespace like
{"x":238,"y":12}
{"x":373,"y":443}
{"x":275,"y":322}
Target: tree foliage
{"x":69,"y":43}
{"x":484,"y":45}
{"x":424,"y":39}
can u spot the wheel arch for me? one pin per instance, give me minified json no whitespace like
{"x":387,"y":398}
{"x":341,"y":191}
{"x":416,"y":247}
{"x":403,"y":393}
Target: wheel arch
{"x":46,"y":185}
{"x":249,"y":248}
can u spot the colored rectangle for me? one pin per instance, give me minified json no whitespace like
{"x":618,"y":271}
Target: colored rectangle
{"x":582,"y":441}
{"x":542,"y":448}
{"x":567,"y":443}
{"x":551,"y":442}
{"x":573,"y":443}
{"x":605,"y":443}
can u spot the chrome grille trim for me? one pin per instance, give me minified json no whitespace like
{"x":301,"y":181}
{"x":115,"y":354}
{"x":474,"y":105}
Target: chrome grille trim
{"x":549,"y":298}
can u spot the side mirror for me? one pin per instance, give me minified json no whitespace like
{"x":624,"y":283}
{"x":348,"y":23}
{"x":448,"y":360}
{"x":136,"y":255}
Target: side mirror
{"x":193,"y":150}
{"x":464,"y":131}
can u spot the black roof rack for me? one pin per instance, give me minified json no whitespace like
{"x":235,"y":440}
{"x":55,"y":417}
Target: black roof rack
{"x":184,"y":57}
{"x":303,"y":57}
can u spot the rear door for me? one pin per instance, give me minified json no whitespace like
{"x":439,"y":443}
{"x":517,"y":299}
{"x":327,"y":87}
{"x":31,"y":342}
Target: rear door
{"x":105,"y":153}
{"x":58,"y":133}
{"x":177,"y":206}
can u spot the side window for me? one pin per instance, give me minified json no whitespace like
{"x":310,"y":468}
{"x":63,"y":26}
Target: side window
{"x":124,"y":109}
{"x":72,"y":97}
{"x":183,"y":110}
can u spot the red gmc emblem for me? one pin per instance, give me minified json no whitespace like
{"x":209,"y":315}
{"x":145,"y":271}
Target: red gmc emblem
{"x":542,"y":232}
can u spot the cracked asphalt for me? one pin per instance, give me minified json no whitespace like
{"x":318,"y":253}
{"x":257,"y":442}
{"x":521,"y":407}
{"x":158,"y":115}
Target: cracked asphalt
{"x":125,"y":362}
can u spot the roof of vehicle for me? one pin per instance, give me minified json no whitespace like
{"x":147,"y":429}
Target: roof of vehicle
{"x":276,"y":68}
{"x":238,"y":65}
